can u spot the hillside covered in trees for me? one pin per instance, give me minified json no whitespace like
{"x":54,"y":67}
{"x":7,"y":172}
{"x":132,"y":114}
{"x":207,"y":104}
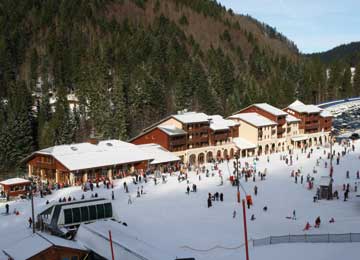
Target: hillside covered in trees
{"x":132,"y":62}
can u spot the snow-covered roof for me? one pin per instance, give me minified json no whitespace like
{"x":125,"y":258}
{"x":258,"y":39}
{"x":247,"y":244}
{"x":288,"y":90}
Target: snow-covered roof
{"x":299,"y":138}
{"x":37,"y":243}
{"x":14,"y":181}
{"x":191,"y":117}
{"x":126,"y":244}
{"x":254,"y":119}
{"x":105,"y":153}
{"x":158,"y":153}
{"x":219,"y":123}
{"x":326,"y":113}
{"x":243,"y":144}
{"x":172,"y":130}
{"x":271,"y":109}
{"x":292,"y":119}
{"x":302,"y":108}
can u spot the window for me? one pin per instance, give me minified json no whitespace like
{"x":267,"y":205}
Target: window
{"x":100,"y":211}
{"x":84,"y":214}
{"x":108,"y":210}
{"x":76,"y":215}
{"x":92,"y":210}
{"x":68,"y":216}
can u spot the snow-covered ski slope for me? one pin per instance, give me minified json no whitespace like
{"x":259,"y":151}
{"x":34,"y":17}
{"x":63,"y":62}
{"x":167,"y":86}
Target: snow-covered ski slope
{"x":172,"y":221}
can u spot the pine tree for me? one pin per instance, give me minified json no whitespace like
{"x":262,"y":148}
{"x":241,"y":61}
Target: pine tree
{"x":356,"y":82}
{"x":346,"y":87}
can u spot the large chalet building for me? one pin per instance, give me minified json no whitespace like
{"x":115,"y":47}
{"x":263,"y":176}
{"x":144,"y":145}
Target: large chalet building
{"x":194,"y":137}
{"x":255,"y":130}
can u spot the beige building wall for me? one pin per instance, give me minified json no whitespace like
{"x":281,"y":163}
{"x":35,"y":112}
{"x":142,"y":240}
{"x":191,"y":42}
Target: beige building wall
{"x":248,"y":132}
{"x":172,"y":121}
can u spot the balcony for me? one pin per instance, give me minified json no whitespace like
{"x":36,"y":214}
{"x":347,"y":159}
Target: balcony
{"x":203,"y":129}
{"x":177,"y":142}
{"x":280,"y":130}
{"x":281,"y":121}
{"x":219,"y":137}
{"x":312,"y":126}
{"x":45,"y":165}
{"x":199,"y":139}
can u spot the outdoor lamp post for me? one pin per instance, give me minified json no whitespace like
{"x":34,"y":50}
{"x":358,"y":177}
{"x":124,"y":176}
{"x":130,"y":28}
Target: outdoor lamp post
{"x":237,"y":177}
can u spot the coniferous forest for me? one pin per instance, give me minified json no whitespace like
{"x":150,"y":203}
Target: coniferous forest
{"x":132,"y":62}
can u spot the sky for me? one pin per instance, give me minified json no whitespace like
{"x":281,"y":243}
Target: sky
{"x":314,"y":25}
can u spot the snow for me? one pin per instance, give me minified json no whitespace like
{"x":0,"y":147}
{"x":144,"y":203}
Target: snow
{"x":326,"y":113}
{"x":271,"y":109}
{"x":35,"y":244}
{"x":158,"y":153}
{"x":302,"y":108}
{"x":168,"y":219}
{"x":172,"y":130}
{"x":292,"y":119}
{"x":299,"y":138}
{"x":219,"y":123}
{"x":126,"y":246}
{"x":254,"y":119}
{"x":191,"y":117}
{"x":243,"y":144}
{"x":14,"y":181}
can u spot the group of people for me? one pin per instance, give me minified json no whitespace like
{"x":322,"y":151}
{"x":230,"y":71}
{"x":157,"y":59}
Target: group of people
{"x":216,"y":197}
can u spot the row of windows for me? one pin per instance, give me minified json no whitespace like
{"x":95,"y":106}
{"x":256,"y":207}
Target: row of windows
{"x":87,"y":213}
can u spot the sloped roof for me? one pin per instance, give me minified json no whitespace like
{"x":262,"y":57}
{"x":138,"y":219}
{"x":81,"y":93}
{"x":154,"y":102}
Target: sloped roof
{"x":37,"y":243}
{"x":14,"y":181}
{"x":85,"y":155}
{"x":219,"y":123}
{"x":271,"y":109}
{"x":159,"y":154}
{"x":191,"y":117}
{"x":292,"y":119}
{"x":172,"y":130}
{"x":302,"y":108}
{"x":254,"y":119}
{"x":326,"y":113}
{"x":243,"y":144}
{"x":126,"y":244}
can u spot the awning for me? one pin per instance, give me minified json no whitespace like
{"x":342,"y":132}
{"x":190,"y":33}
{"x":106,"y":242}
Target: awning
{"x":299,"y":138}
{"x":243,"y":144}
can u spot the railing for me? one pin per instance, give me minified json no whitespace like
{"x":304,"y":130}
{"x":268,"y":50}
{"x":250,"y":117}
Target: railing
{"x":203,"y":129}
{"x":221,"y":136}
{"x":178,"y":142}
{"x":308,"y":238}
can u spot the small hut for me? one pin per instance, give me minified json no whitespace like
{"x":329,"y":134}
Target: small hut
{"x":325,"y":187}
{"x":14,"y":187}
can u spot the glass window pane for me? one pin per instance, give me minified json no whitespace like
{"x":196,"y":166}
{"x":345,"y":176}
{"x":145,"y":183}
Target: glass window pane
{"x":100,"y":211}
{"x":108,"y":210}
{"x":84,"y":214}
{"x":68,"y":216}
{"x":92,"y":210}
{"x":76,"y":215}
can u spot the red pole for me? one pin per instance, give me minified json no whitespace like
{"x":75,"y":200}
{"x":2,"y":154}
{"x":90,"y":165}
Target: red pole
{"x":111,"y":246}
{"x":245,"y":231}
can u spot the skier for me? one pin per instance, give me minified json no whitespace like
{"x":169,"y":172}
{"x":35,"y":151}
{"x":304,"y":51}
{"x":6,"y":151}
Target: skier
{"x":221,"y":197}
{"x":295,"y":178}
{"x":255,"y":190}
{"x":112,"y":195}
{"x":234,"y":214}
{"x":307,"y":226}
{"x":7,"y":207}
{"x":301,"y":179}
{"x":252,"y":217}
{"x":129,"y":200}
{"x":347,"y":175}
{"x":317,"y":222}
{"x":188,"y":190}
{"x":142,"y":190}
{"x":294,"y":215}
{"x":209,"y":203}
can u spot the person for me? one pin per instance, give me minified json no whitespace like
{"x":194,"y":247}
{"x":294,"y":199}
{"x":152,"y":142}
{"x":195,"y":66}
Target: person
{"x":129,"y":200}
{"x":346,"y":195}
{"x":7,"y":207}
{"x":96,"y":195}
{"x":209,"y":203}
{"x":265,"y":208}
{"x":82,"y":196}
{"x":317,"y":222}
{"x":217,"y":196}
{"x":47,"y":202}
{"x":301,"y":179}
{"x":188,"y":190}
{"x":307,"y":226}
{"x":221,"y":197}
{"x":332,"y":220}
{"x":252,"y":217}
{"x":255,"y":190}
{"x":142,"y":190}
{"x":248,"y":203}
{"x":30,"y":222}
{"x":112,"y":195}
{"x":234,"y":214}
{"x":294,"y":215}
